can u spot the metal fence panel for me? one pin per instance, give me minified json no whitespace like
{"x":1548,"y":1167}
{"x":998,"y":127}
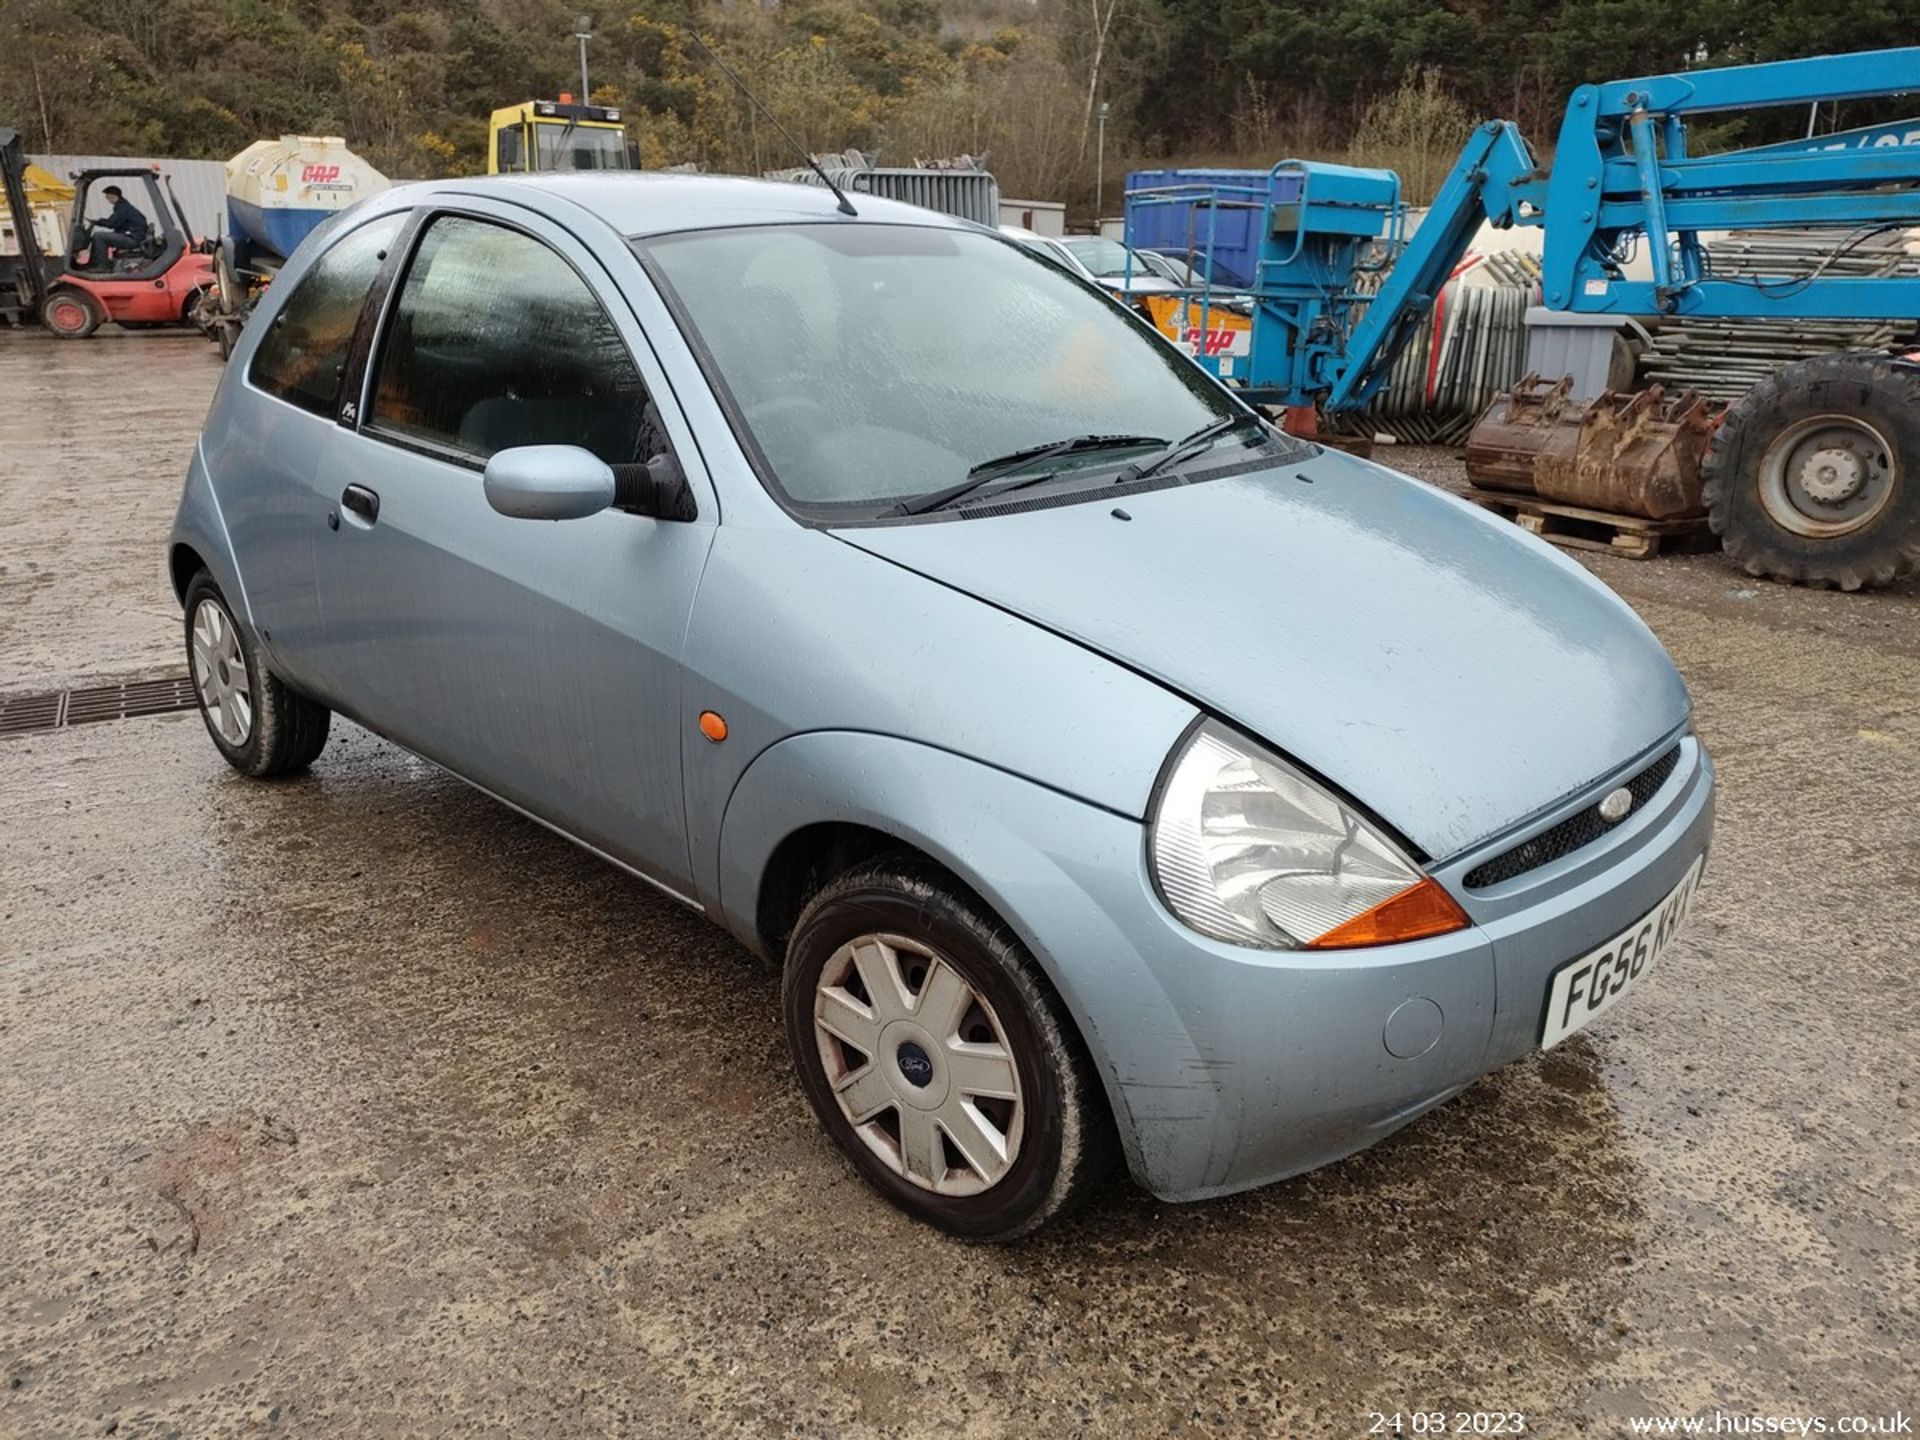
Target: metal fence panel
{"x":200,"y":184}
{"x":970,"y":194}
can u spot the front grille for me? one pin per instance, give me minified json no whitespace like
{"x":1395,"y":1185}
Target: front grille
{"x":1571,"y":834}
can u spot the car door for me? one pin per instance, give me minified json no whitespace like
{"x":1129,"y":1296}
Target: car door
{"x":539,"y":659}
{"x":271,"y":431}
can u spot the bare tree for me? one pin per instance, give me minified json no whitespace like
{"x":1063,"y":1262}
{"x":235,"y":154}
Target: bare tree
{"x":1100,"y":16}
{"x":43,"y":94}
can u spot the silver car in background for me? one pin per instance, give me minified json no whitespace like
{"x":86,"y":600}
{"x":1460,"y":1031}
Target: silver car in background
{"x":1113,"y":778}
{"x":1121,"y":275}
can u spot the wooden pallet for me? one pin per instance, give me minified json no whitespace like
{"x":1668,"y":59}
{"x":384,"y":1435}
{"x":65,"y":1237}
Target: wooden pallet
{"x":1633,"y":536}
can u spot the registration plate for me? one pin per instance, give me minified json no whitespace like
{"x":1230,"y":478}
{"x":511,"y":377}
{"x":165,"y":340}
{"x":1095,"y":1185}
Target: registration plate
{"x":1590,"y":986}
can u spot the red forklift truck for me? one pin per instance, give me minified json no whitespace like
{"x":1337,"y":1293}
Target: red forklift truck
{"x":76,"y":292}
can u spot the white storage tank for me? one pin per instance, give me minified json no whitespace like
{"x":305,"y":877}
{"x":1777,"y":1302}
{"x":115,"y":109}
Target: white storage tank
{"x":280,"y":190}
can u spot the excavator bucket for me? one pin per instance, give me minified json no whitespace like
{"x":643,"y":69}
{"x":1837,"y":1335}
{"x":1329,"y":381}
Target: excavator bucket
{"x":1503,"y":447}
{"x":1625,"y":454}
{"x":1638,"y":454}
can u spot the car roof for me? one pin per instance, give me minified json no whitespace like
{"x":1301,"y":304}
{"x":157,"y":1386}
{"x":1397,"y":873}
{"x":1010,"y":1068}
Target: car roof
{"x":656,"y":202}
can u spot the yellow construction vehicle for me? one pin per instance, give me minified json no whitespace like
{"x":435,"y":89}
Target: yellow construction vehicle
{"x":540,"y":135}
{"x":48,"y":199}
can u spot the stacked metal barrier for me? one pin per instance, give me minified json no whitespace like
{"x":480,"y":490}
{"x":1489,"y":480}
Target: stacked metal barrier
{"x":1723,"y":359}
{"x":970,"y":194}
{"x":1471,"y":348}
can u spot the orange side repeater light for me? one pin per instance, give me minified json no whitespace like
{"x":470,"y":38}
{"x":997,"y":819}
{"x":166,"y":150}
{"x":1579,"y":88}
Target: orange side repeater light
{"x":713,"y":726}
{"x":1413,"y":914}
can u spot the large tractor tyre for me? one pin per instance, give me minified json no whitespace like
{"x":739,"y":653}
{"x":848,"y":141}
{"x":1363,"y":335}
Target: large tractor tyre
{"x":71,"y":314}
{"x":1814,"y":476}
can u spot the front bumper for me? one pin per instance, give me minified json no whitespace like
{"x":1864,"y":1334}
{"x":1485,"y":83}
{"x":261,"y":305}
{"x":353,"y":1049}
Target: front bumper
{"x":1229,"y":1068}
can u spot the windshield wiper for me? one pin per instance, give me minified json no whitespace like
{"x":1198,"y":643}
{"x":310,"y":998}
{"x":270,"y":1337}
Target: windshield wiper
{"x":987,"y":471}
{"x":1186,"y":447}
{"x":562,"y":159}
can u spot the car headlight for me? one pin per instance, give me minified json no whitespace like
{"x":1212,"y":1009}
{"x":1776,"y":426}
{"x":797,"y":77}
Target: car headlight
{"x":1247,"y":849}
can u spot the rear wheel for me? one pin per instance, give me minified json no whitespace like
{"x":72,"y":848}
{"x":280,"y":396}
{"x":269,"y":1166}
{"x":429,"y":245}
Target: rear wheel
{"x":72,"y":314}
{"x":938,"y":1058}
{"x":260,"y":726}
{"x":1810,"y":478}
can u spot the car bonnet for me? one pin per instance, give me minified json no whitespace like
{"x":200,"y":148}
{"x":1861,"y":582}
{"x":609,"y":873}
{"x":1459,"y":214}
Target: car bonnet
{"x":1450,"y":672}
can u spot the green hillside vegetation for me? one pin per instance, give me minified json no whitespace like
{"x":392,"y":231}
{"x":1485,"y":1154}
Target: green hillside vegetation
{"x":410,"y":82}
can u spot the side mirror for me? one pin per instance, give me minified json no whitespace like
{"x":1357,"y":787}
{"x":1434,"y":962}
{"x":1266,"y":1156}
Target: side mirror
{"x":658,"y":488}
{"x":548,"y":482}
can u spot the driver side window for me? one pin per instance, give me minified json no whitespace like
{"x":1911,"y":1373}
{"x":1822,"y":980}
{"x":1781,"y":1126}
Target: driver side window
{"x":496,"y":341}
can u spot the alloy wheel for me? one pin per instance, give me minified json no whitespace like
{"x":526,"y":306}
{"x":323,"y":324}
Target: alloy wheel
{"x":220,"y":673}
{"x":919,"y":1064}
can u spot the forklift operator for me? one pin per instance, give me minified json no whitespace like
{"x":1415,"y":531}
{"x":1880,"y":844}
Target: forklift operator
{"x":124,"y":227}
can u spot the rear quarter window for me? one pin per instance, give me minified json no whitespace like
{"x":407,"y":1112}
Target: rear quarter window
{"x":304,"y":353}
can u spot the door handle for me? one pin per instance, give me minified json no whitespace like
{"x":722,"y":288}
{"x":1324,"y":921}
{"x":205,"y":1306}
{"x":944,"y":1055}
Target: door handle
{"x":361,"y":501}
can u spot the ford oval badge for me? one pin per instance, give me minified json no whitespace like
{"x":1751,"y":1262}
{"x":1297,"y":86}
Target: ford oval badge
{"x":914,"y":1063}
{"x":1614,"y":808}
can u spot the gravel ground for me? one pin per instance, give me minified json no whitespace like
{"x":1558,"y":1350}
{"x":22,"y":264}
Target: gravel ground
{"x":357,"y":1105}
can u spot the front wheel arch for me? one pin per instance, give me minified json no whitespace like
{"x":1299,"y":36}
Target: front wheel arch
{"x":856,"y":788}
{"x":903,"y":797}
{"x":809,"y":859}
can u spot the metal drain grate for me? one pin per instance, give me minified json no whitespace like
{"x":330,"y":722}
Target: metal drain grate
{"x":32,"y":712}
{"x":25,"y":714}
{"x":122,"y":702}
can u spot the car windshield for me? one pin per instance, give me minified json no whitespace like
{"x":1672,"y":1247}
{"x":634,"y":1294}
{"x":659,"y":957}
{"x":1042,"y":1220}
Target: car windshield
{"x":1159,"y":265}
{"x":1173,"y":267}
{"x":584,"y":147}
{"x":1104,"y":257}
{"x":873,"y":365}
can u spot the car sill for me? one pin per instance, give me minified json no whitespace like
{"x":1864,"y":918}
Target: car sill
{"x":592,"y":849}
{"x":545,"y":824}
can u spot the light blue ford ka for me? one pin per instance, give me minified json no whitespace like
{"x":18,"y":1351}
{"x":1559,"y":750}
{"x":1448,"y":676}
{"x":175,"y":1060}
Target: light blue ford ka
{"x":1112,"y":777}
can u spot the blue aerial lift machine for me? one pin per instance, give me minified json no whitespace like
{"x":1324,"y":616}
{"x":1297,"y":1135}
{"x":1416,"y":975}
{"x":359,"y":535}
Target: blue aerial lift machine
{"x":1813,"y":476}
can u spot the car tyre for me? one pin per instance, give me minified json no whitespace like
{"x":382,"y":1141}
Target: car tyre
{"x":1044,"y":1147}
{"x":261,"y":727}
